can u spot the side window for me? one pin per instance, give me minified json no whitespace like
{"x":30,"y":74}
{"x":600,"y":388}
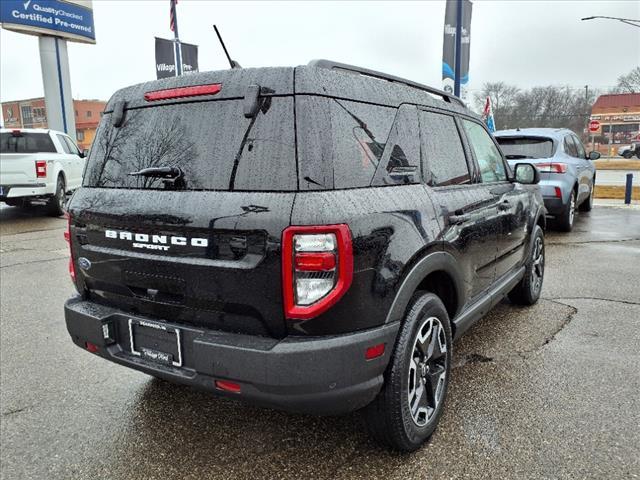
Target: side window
{"x":487,"y":154}
{"x":72,"y":146}
{"x":65,"y":145}
{"x":443,"y":157}
{"x":581,"y":152}
{"x":340,"y":142}
{"x":400,"y":161}
{"x":360,"y":134}
{"x":570,"y":146}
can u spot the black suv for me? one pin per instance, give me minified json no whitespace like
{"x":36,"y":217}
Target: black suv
{"x":307,"y":238}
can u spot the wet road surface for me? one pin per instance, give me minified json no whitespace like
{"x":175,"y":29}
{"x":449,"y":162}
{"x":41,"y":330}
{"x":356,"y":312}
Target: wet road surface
{"x":549,"y":391}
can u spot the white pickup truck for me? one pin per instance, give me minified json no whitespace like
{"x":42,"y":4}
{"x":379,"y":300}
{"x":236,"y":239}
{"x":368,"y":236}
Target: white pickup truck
{"x":40,"y":165}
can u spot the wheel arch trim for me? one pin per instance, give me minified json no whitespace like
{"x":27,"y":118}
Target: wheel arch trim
{"x":540,"y":215}
{"x":58,"y":171}
{"x":432,"y":262}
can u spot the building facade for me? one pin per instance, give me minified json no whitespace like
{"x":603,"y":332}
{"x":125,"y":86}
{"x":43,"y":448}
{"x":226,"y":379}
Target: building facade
{"x":619,"y":117}
{"x":32,"y":113}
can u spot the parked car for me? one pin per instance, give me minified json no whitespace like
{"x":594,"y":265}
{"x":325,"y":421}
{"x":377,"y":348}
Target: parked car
{"x":309,"y":238}
{"x":38,"y":165}
{"x":628,"y":151}
{"x":567,"y":173}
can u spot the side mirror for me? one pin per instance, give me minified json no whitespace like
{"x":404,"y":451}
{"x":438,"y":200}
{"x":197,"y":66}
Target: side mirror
{"x":527,"y":174}
{"x":84,"y":153}
{"x":594,"y":155}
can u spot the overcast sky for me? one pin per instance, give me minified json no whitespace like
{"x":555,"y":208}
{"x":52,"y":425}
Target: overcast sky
{"x":526,"y":43}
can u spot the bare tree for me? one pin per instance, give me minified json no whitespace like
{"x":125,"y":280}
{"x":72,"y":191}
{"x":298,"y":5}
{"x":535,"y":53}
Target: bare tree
{"x":629,"y":83}
{"x":546,"y":106}
{"x":129,"y":147}
{"x":503,"y":98}
{"x":170,"y":147}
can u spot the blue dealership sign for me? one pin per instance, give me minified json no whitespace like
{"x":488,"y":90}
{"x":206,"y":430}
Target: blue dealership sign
{"x":72,"y":20}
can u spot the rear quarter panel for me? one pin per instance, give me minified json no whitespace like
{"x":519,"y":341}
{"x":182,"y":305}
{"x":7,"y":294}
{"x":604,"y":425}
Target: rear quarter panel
{"x":391,"y":227}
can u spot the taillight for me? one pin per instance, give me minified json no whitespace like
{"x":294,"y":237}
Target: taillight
{"x":67,"y":237}
{"x":41,"y":168}
{"x":552,"y":167}
{"x":317,"y":268}
{"x":182,"y":92}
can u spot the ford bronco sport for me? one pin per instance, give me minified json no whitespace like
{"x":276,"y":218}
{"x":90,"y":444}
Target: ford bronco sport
{"x":308,"y":238}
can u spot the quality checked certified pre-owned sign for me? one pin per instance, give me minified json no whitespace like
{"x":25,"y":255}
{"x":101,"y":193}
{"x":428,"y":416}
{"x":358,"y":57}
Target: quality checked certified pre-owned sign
{"x":67,"y":19}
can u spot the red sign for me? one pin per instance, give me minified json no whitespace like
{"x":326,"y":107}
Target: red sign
{"x":594,"y":126}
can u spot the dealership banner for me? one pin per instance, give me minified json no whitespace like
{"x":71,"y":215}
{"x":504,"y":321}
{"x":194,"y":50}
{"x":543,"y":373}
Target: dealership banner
{"x":69,"y":19}
{"x":166,"y":58}
{"x":449,"y":47}
{"x":189,"y":58}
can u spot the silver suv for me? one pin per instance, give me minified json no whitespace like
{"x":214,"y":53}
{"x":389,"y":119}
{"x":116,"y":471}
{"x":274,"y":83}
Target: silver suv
{"x":567,"y":172}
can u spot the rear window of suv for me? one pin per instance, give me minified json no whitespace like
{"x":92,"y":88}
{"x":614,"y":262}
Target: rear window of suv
{"x":526,"y":147}
{"x":26,"y":142}
{"x":213,"y":143}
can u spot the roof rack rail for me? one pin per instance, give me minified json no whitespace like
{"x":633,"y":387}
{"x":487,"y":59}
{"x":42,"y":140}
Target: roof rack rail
{"x":331,"y":65}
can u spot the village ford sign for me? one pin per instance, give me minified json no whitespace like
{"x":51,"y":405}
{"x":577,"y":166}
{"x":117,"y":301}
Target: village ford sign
{"x":71,"y":19}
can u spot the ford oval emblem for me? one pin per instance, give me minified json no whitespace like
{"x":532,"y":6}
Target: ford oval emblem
{"x":84,"y":263}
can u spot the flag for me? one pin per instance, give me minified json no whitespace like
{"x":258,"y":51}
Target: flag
{"x":172,"y":15}
{"x":487,"y":115}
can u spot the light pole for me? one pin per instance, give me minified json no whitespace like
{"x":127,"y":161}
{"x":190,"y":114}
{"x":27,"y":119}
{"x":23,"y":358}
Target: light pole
{"x":628,"y":21}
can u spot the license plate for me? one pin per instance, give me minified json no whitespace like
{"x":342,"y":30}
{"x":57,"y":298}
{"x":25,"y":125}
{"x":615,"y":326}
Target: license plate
{"x":155,"y":342}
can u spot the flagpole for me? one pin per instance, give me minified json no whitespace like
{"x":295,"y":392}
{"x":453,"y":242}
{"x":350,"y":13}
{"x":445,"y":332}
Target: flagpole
{"x":176,"y":45}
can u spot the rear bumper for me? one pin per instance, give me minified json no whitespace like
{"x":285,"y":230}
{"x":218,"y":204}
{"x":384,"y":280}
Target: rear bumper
{"x":24,"y":190}
{"x":555,"y":205}
{"x":318,"y":375}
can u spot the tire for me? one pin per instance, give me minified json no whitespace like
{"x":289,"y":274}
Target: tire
{"x":55,"y":206}
{"x":627,"y":155}
{"x":527,"y":291}
{"x":410,"y":380}
{"x":587,"y":205}
{"x":564,"y":221}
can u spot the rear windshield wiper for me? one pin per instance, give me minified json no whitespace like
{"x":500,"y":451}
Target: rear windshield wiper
{"x":172,"y":177}
{"x":158,"y":172}
{"x":513,"y":157}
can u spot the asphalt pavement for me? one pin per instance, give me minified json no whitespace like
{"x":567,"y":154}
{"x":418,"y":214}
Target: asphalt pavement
{"x":549,"y":391}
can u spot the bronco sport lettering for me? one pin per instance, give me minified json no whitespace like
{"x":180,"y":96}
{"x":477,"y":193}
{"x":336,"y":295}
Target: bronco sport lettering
{"x":144,"y":240}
